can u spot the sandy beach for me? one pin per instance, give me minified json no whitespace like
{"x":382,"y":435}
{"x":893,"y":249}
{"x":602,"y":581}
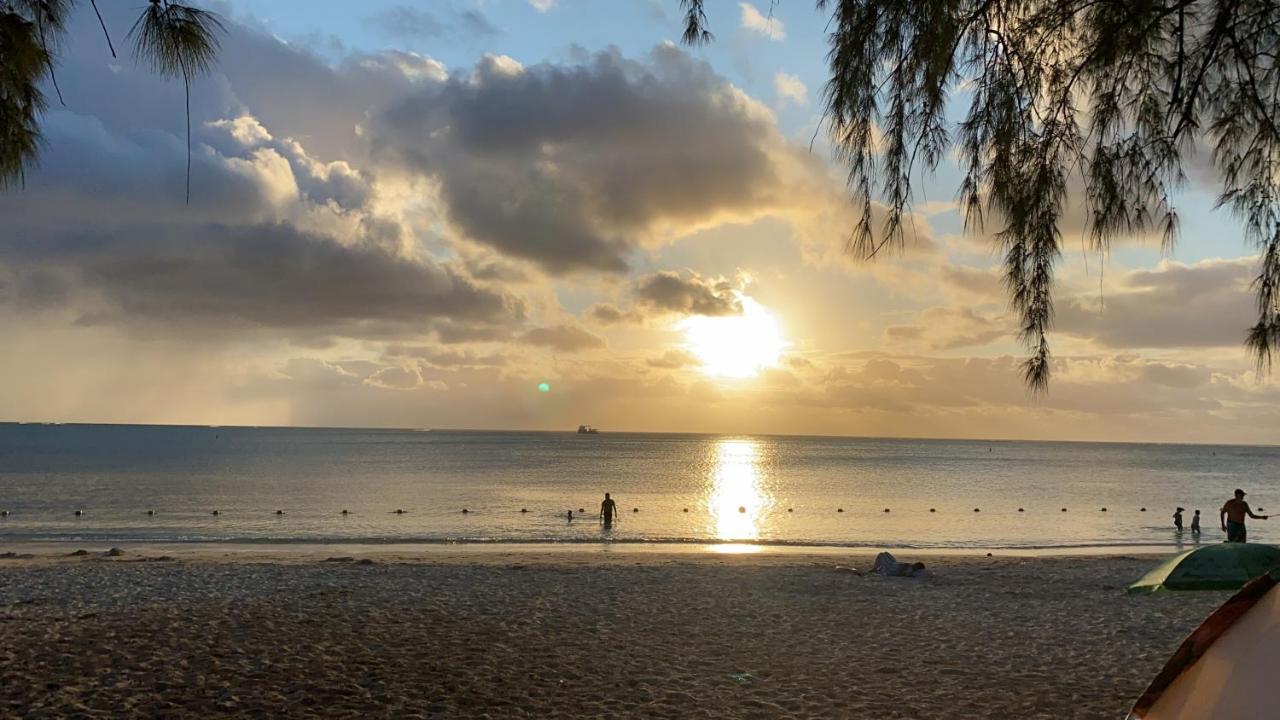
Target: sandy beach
{"x":552,"y":634}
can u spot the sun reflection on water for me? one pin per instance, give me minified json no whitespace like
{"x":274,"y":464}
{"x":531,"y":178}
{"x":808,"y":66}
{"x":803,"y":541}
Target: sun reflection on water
{"x":737,"y":500}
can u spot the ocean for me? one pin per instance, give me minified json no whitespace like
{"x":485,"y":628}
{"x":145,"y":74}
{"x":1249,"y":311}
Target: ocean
{"x":518,"y":487}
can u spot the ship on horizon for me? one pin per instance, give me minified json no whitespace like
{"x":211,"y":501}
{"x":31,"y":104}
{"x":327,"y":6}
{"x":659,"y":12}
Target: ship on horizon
{"x":587,"y":430}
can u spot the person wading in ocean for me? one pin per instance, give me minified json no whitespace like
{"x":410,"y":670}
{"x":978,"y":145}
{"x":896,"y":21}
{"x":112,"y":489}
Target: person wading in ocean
{"x":607,"y":509}
{"x":1232,"y":517}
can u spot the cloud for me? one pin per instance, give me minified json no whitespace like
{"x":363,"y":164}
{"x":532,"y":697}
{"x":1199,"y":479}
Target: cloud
{"x":609,"y":314}
{"x":448,"y":358}
{"x":572,"y":167}
{"x":404,"y":22}
{"x":395,"y":378}
{"x":543,"y":6}
{"x":1175,"y":305}
{"x":667,"y":291}
{"x":672,"y":360}
{"x":754,"y":21}
{"x":949,"y":328}
{"x":565,"y":338}
{"x":198,"y":278}
{"x":789,"y":88}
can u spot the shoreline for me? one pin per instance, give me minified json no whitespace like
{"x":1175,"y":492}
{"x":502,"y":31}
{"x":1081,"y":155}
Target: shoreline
{"x":28,"y":552}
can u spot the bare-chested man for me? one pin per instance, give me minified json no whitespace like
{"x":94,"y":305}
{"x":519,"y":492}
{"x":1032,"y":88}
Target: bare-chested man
{"x":1232,"y":517}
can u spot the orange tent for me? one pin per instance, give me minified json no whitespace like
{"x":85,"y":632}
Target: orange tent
{"x":1226,"y":668}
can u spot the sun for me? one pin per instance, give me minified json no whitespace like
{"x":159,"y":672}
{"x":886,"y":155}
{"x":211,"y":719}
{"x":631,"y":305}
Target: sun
{"x":735,"y":346}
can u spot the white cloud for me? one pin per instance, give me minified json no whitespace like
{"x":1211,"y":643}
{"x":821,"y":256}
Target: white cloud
{"x":542,"y":5}
{"x":770,"y":27}
{"x":790,"y":88}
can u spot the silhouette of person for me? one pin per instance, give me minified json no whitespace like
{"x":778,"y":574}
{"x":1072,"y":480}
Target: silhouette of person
{"x":607,"y":509}
{"x":1177,"y":519}
{"x":570,"y":516}
{"x":1195,"y":523}
{"x":1232,"y":516}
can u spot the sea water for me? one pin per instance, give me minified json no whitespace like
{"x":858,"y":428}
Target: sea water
{"x":520,"y":487}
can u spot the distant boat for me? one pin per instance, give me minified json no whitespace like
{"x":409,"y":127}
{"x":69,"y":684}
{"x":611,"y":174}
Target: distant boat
{"x":587,"y":430}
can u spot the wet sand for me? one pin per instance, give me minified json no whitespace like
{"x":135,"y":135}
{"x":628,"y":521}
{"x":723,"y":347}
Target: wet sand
{"x":553,"y":634}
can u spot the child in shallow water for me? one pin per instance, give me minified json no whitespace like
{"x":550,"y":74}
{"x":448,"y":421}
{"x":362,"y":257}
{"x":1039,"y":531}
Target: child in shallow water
{"x":1177,"y":519}
{"x":1195,"y":523}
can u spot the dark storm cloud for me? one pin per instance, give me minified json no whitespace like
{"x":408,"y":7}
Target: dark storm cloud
{"x":270,"y":276}
{"x":572,"y":166}
{"x":667,"y":291}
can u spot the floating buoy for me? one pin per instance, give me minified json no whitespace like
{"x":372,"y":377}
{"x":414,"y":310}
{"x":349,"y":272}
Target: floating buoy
{"x":151,"y":512}
{"x":344,"y":512}
{"x":790,"y":510}
{"x":465,"y":511}
{"x":1019,"y":509}
{"x":635,"y":509}
{"x":399,"y":511}
{"x":4,"y":513}
{"x":1142,"y":509}
{"x":839,"y":509}
{"x":886,"y":509}
{"x":933,"y":509}
{"x":279,"y":512}
{"x":1104,"y":509}
{"x":686,"y":510}
{"x":524,"y":510}
{"x":977,"y":510}
{"x":79,"y":513}
{"x":742,"y":508}
{"x":215,"y":512}
{"x":1064,"y":509}
{"x":581,"y":510}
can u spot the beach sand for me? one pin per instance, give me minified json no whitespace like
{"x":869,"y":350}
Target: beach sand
{"x":551,"y":634}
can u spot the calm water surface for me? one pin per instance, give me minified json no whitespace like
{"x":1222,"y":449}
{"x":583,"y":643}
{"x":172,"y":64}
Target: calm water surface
{"x":735,"y":488}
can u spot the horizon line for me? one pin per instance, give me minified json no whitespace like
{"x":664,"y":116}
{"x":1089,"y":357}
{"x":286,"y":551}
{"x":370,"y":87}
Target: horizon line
{"x":905,"y":438}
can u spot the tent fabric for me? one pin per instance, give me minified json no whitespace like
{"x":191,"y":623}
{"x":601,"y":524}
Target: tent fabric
{"x":1223,"y":566}
{"x":1225,"y":669}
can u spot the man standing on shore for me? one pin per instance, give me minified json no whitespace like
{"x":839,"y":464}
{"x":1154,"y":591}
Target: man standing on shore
{"x":1232,"y":517}
{"x":607,"y":509}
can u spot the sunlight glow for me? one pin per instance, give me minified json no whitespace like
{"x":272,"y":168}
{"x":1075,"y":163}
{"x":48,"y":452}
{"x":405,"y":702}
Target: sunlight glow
{"x":735,"y":346}
{"x":737,"y":499}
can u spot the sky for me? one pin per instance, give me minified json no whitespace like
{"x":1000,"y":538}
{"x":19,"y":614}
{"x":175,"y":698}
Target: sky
{"x":534,"y":214}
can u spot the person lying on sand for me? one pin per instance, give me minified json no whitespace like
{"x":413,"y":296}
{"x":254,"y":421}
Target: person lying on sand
{"x":887,"y":565}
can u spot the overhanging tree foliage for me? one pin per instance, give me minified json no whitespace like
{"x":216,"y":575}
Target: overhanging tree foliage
{"x":1120,"y":94}
{"x":176,"y":40}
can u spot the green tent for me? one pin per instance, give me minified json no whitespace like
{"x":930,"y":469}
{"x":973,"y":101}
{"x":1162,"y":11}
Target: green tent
{"x":1223,"y":566}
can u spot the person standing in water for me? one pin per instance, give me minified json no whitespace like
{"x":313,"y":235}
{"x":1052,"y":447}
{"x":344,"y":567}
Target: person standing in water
{"x":1195,"y":523}
{"x":1177,"y":519}
{"x":1232,"y":516}
{"x":607,"y":509}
